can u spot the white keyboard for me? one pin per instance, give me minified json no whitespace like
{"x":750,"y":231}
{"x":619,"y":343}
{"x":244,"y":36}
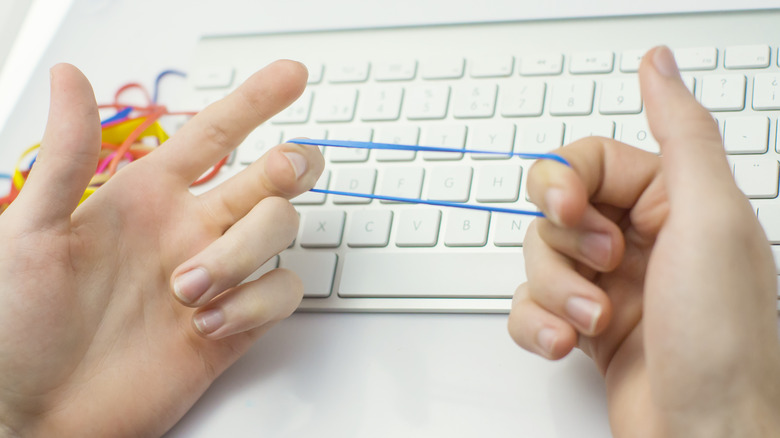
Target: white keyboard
{"x":523,"y":87}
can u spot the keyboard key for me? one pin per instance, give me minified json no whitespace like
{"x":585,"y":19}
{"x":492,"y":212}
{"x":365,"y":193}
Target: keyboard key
{"x":635,"y":132}
{"x":315,"y":270}
{"x":746,"y":135}
{"x":335,"y":105}
{"x":690,"y":83}
{"x":755,"y":56}
{"x":370,"y":228}
{"x":541,"y":64}
{"x":401,"y":182}
{"x":491,"y":136}
{"x":440,"y":274}
{"x":204,"y":98}
{"x":539,"y":137}
{"x":592,"y":62}
{"x":418,"y":227}
{"x":522,"y":99}
{"x":491,"y":66}
{"x":450,"y":183}
{"x":620,"y":96}
{"x":572,"y":97}
{"x":381,"y":104}
{"x":474,"y":101}
{"x":630,"y":60}
{"x":766,"y":91}
{"x":696,"y":58}
{"x":466,"y":227}
{"x":356,"y":71}
{"x":446,"y":136}
{"x":443,"y":68}
{"x":322,"y":229}
{"x":586,"y":128}
{"x":213,"y":76}
{"x":723,"y":92}
{"x":396,"y":134}
{"x":776,"y":256}
{"x":396,"y":70}
{"x":349,"y":133}
{"x":427,"y":102}
{"x":315,"y":72}
{"x":498,"y":183}
{"x":509,"y":229}
{"x":257,"y":143}
{"x":354,"y":180}
{"x":769,"y":217}
{"x":757,"y":178}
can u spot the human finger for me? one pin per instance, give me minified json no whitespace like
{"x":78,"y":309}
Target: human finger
{"x":595,"y":241}
{"x":601,"y":171}
{"x":214,"y":132}
{"x":694,"y":162}
{"x":268,"y":228}
{"x":537,"y":330}
{"x":272,"y":297}
{"x":69,"y":150}
{"x":286,"y":171}
{"x":691,"y":146}
{"x":556,"y":286}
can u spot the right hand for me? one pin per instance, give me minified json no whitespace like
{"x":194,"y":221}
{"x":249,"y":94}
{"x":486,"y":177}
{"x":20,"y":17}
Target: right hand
{"x":658,"y":269}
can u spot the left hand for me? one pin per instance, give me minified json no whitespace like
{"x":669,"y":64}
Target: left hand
{"x":94,"y":341}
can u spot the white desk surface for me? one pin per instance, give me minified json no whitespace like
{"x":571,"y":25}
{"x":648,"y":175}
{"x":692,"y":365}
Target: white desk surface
{"x":345,"y":375}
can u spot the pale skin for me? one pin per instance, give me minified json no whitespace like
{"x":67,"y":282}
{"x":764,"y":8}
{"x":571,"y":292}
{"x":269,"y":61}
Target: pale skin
{"x":118,"y":295}
{"x":671,"y":293}
{"x":88,"y":303}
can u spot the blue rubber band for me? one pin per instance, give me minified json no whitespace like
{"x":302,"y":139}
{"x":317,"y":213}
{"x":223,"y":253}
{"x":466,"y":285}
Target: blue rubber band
{"x":402,"y":147}
{"x":431,"y":202}
{"x":6,"y":176}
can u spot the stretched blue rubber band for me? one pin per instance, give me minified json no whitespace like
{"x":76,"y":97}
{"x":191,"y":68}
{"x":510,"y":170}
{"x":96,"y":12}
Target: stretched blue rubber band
{"x":401,"y":147}
{"x":431,"y":202}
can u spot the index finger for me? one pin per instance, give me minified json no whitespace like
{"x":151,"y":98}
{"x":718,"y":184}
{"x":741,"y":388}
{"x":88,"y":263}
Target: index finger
{"x":214,"y":132}
{"x":603,"y":171}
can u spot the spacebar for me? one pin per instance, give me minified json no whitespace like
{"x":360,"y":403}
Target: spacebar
{"x":432,"y":275}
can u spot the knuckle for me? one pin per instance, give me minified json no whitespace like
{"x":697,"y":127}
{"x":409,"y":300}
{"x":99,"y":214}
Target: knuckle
{"x":217,"y":135}
{"x":284,"y":212}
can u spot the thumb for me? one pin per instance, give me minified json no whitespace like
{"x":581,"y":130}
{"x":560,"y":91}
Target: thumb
{"x":69,"y":151}
{"x":693,"y":157}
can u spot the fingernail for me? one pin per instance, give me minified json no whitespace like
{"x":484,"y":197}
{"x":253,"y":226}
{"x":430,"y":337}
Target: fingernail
{"x":664,"y":62}
{"x":191,"y":285}
{"x":546,"y":339}
{"x":554,"y":200}
{"x":597,"y":247}
{"x":585,"y":313}
{"x":298,"y":163}
{"x":209,"y":321}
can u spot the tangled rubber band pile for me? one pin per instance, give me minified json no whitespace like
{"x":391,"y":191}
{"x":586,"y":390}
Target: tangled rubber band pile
{"x":129,"y":134}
